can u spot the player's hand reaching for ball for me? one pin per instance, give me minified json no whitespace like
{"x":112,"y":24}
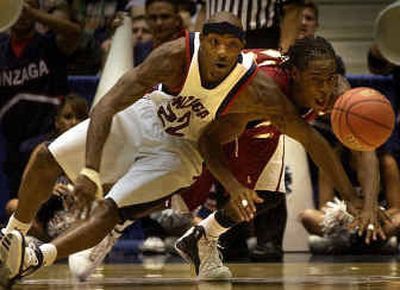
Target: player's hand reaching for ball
{"x":368,"y":222}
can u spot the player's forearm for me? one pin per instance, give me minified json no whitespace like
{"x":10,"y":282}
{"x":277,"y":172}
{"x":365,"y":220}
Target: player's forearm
{"x":324,"y":156}
{"x":369,"y":177}
{"x":326,"y":192}
{"x":215,"y":161}
{"x":101,"y":116}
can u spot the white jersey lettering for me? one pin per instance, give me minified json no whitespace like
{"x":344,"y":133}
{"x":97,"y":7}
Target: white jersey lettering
{"x":187,"y":114}
{"x":19,"y":76}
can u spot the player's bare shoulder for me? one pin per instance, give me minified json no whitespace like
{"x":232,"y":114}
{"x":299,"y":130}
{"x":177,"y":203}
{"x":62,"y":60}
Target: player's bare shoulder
{"x":166,"y":63}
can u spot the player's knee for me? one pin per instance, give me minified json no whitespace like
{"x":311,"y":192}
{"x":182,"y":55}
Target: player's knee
{"x":307,"y":216}
{"x":11,"y":206}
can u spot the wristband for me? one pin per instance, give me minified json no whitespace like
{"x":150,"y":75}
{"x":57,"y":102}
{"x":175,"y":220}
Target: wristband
{"x":93,"y":176}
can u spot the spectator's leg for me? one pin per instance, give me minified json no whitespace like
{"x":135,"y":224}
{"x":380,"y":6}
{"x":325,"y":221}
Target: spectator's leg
{"x":391,"y":179}
{"x":311,"y":220}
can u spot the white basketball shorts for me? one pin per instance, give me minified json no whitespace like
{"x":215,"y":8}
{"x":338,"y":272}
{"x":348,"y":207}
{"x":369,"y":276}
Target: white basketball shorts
{"x":142,"y":162}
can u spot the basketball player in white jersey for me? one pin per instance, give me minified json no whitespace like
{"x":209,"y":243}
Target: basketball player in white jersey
{"x":151,"y":146}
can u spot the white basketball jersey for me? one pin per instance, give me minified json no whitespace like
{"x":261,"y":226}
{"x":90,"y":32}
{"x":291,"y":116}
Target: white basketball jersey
{"x":187,"y":114}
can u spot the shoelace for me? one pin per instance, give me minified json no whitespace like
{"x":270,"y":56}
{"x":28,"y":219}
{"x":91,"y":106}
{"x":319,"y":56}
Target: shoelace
{"x":104,"y":245}
{"x":211,"y":256}
{"x":30,"y":259}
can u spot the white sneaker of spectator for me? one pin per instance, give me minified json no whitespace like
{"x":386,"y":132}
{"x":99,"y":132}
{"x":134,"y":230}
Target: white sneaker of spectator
{"x":153,"y":246}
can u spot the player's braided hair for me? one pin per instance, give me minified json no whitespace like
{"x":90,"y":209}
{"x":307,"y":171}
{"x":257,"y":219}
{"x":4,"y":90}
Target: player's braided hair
{"x":307,"y":49}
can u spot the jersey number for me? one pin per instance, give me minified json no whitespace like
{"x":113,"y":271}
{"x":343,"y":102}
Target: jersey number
{"x":167,"y":114}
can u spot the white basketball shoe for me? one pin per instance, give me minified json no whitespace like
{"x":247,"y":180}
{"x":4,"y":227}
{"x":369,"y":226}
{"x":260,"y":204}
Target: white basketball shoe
{"x":202,"y":251}
{"x":17,"y":259}
{"x":84,"y":263}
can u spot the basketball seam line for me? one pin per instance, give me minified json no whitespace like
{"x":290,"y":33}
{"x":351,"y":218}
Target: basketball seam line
{"x":363,"y":118}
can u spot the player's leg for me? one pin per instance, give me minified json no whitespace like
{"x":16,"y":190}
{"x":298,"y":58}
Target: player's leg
{"x":36,"y":187}
{"x":269,"y":228}
{"x":82,"y":264}
{"x":199,"y":244}
{"x":46,"y":164}
{"x":138,"y":193}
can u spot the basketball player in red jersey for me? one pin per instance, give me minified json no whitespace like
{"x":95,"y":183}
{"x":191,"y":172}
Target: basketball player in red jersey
{"x":307,"y":56}
{"x":177,"y":133}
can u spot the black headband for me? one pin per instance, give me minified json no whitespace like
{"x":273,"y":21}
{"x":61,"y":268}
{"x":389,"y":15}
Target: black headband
{"x":224,"y":28}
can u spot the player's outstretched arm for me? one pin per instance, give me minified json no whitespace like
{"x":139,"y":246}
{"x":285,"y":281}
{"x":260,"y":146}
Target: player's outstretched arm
{"x":284,"y":115}
{"x":164,"y":65}
{"x":367,"y":166}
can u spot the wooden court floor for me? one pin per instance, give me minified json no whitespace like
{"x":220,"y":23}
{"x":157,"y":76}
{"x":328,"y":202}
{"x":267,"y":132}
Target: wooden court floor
{"x":297,"y":272}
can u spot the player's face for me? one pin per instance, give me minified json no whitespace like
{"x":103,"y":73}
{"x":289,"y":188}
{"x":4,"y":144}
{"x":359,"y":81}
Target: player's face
{"x":163,"y":21}
{"x":309,"y":23}
{"x":316,"y":84}
{"x":219,"y":54}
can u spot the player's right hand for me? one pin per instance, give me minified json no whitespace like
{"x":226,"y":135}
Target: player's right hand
{"x":243,"y":202}
{"x":85,"y":193}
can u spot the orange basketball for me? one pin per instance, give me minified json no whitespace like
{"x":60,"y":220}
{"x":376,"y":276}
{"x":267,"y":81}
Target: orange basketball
{"x":362,"y":119}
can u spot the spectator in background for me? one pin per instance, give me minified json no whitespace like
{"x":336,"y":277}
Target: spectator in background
{"x":187,"y":10}
{"x":268,"y":23}
{"x":140,"y":30}
{"x":96,"y":16}
{"x":390,"y":155}
{"x":33,"y":79}
{"x":86,"y":58}
{"x":141,"y":39}
{"x":165,"y":25}
{"x":55,"y":215}
{"x":309,"y":19}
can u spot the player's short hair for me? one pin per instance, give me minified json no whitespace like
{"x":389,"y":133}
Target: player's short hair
{"x":174,"y":4}
{"x":307,"y":49}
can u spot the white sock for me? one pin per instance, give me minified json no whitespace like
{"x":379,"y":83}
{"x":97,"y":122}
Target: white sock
{"x":118,"y":230}
{"x":212,"y":228}
{"x":49,"y":253}
{"x":14,"y":224}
